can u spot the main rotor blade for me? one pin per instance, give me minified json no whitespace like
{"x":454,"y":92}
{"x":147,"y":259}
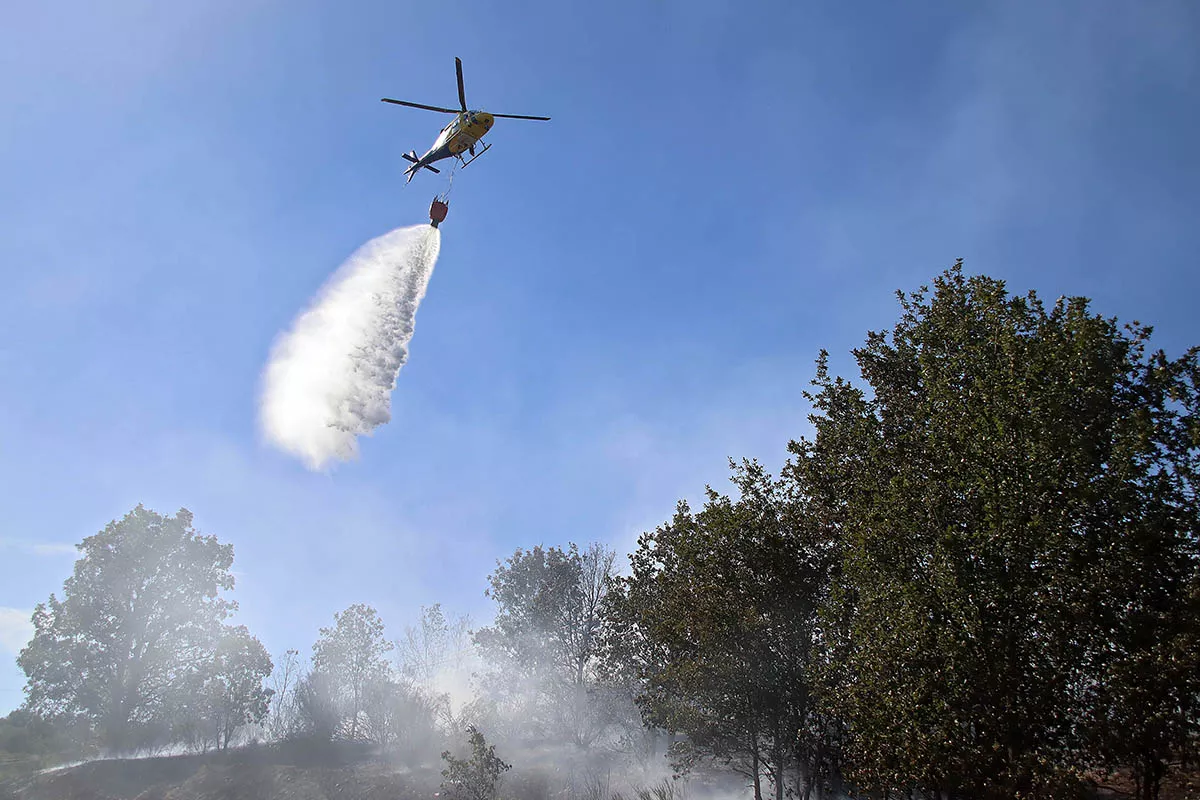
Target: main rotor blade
{"x":462,"y":95}
{"x":418,"y":105}
{"x":518,"y":116}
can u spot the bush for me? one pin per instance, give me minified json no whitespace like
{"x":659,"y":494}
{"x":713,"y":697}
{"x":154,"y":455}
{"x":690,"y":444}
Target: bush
{"x":476,"y":778}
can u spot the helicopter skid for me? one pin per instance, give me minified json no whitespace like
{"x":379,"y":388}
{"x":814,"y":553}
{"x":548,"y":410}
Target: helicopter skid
{"x":486,"y":147}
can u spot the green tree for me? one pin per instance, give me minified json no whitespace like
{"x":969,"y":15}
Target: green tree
{"x":537,"y":594}
{"x":718,"y":616}
{"x":349,"y":658}
{"x":542,"y":646}
{"x":317,"y":709}
{"x":1143,"y":698}
{"x":1014,"y":496}
{"x":232,"y":693}
{"x":477,"y":777}
{"x":29,"y":743}
{"x":403,"y":717}
{"x":137,"y":620}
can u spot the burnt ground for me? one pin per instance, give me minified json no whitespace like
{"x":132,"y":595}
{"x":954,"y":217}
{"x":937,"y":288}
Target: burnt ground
{"x":291,"y":771}
{"x":324,"y":771}
{"x":1179,"y":784}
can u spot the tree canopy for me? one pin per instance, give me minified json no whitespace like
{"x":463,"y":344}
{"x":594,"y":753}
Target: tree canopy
{"x":350,"y":658}
{"x":978,"y":576}
{"x":543,"y":645}
{"x":138,"y":625}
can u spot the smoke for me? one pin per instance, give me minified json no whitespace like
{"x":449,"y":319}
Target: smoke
{"x":330,"y":378}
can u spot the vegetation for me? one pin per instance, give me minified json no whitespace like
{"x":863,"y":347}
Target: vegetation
{"x":29,"y":742}
{"x":135,"y":652}
{"x":351,"y":660}
{"x":477,"y":777}
{"x":979,"y":578}
{"x":542,"y":648}
{"x":719,"y":616}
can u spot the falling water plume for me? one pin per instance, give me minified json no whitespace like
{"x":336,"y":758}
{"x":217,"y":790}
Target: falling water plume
{"x":330,"y":377}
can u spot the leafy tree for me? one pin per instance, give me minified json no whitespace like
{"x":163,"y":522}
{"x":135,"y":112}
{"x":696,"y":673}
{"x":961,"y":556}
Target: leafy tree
{"x":232,"y":693}
{"x":29,"y":743}
{"x":1014,"y":497}
{"x":403,"y":717}
{"x":350,"y":657}
{"x":475,"y":778}
{"x":137,"y":620}
{"x":679,"y":608}
{"x":25,"y":733}
{"x":543,"y":644}
{"x":718,"y":618}
{"x":1142,"y":701}
{"x":318,"y":710}
{"x":536,"y":593}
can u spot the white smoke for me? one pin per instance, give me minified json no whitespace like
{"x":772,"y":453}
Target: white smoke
{"x":330,"y":377}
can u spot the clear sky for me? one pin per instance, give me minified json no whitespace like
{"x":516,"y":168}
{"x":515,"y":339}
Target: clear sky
{"x":626,"y":295}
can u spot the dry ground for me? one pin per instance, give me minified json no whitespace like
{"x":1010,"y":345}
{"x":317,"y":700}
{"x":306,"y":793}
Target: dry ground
{"x":294,"y":771}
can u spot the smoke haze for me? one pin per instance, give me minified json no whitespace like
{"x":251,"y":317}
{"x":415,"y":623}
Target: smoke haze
{"x":330,"y":377}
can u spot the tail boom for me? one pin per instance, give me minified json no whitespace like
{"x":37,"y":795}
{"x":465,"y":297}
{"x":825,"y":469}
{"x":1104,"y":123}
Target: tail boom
{"x":411,"y":155}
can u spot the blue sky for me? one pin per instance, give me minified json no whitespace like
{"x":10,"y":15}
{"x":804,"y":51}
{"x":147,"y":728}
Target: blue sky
{"x":626,"y":295}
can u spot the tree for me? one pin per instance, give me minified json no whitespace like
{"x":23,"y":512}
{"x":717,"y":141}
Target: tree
{"x":232,"y":692}
{"x":318,"y":710}
{"x":282,"y":712}
{"x":718,"y":619}
{"x":402,"y":717}
{"x":475,"y":778}
{"x":350,"y":657}
{"x":137,"y":620}
{"x":1142,"y":701}
{"x":29,"y":743}
{"x":434,"y":646}
{"x":1014,"y":496}
{"x":543,"y":644}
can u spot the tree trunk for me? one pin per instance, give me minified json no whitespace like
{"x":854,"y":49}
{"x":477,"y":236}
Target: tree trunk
{"x":754,"y":764}
{"x":1150,"y":782}
{"x":779,"y":771}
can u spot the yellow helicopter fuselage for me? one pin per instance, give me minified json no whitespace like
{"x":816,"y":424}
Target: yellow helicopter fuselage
{"x":464,"y":130}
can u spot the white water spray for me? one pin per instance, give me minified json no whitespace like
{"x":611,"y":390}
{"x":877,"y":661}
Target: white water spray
{"x":330,"y":377}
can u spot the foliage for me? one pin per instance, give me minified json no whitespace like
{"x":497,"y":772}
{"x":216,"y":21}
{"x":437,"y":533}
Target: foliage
{"x":403,"y":718}
{"x":718,"y":618}
{"x":232,"y":693}
{"x":135,"y":627}
{"x":980,"y":577}
{"x":543,"y":643}
{"x":318,"y":712}
{"x":663,"y":790}
{"x":477,"y":777}
{"x":29,"y":743}
{"x":1015,"y":496}
{"x":351,"y":657}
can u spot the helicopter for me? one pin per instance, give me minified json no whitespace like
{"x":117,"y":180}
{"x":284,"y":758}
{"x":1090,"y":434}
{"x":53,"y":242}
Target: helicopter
{"x":458,"y":137}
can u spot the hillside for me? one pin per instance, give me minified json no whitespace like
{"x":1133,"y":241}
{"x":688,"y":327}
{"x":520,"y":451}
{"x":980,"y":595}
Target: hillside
{"x":286,"y":772}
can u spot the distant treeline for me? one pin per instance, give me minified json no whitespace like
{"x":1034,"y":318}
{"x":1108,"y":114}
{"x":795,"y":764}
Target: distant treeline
{"x":979,"y":578}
